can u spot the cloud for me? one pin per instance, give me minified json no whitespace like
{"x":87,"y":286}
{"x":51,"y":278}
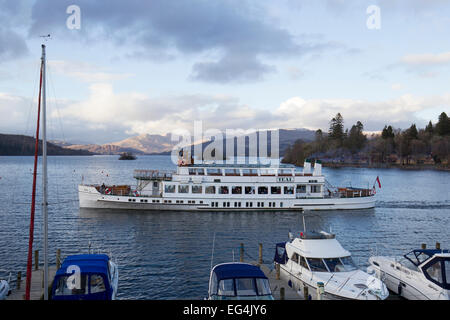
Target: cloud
{"x":12,"y":42}
{"x":426,"y":59}
{"x":85,"y":72}
{"x":240,"y":31}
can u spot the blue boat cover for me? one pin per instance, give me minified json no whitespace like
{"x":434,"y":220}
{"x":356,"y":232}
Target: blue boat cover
{"x":280,"y":253}
{"x":237,"y":270}
{"x":88,"y":263}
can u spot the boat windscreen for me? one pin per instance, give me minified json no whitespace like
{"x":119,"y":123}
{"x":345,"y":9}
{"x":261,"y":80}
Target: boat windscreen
{"x":349,"y":265}
{"x":334,"y":265}
{"x":316,"y":264}
{"x":71,"y":285}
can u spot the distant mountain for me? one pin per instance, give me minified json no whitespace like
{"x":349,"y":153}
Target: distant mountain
{"x":20,"y":145}
{"x":148,"y":143}
{"x":103,"y":149}
{"x":159,"y":144}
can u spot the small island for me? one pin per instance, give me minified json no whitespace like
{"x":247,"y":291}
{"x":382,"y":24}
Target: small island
{"x":127,"y":156}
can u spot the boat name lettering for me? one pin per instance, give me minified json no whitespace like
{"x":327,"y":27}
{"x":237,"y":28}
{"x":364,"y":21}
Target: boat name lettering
{"x":285,"y":179}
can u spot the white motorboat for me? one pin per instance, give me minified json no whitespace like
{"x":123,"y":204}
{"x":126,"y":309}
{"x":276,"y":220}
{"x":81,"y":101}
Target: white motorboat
{"x":238,"y":281}
{"x":5,"y":288}
{"x":320,"y":268}
{"x":422,"y":274}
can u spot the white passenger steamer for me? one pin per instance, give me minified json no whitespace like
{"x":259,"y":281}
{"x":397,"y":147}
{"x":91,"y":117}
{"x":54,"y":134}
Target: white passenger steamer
{"x":224,"y":187}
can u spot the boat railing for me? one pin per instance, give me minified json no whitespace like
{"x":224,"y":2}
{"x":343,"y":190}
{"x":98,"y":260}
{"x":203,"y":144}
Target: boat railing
{"x":153,"y":174}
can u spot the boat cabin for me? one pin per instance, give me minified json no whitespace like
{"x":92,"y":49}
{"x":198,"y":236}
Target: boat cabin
{"x":238,"y":281}
{"x":434,"y":263}
{"x":84,"y":277}
{"x":316,"y":252}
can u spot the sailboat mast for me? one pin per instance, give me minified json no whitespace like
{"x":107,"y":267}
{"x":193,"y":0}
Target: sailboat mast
{"x":44,"y":174}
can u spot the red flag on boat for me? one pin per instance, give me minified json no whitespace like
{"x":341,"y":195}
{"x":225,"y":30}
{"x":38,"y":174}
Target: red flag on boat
{"x":379,"y":183}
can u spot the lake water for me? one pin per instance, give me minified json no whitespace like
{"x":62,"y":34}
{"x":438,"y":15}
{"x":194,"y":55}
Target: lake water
{"x":167,"y":255}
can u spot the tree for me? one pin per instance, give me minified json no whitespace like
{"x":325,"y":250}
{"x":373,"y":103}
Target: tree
{"x":412,"y":132}
{"x":429,"y":128}
{"x":336,"y":131}
{"x":356,"y":138}
{"x":387,"y":132}
{"x":443,"y":125}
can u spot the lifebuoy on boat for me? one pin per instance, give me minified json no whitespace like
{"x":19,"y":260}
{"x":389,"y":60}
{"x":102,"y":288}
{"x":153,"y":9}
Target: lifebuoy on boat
{"x":136,"y":193}
{"x":108,"y":191}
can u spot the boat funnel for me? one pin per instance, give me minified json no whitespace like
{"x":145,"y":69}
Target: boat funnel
{"x":317,"y":168}
{"x":307,"y":166}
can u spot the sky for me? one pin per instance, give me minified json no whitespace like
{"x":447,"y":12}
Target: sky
{"x":125,"y":68}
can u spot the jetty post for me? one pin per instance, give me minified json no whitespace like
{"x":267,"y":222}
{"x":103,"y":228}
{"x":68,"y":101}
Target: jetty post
{"x":36,"y":259}
{"x":260,"y":257}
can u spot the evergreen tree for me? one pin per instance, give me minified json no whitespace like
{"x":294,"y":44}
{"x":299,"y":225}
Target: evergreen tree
{"x":336,"y":131}
{"x":443,"y":125}
{"x":429,"y":127}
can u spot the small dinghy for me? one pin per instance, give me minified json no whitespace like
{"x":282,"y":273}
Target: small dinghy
{"x":86,"y":277}
{"x":421,"y":274}
{"x":238,"y":281}
{"x":316,"y":265}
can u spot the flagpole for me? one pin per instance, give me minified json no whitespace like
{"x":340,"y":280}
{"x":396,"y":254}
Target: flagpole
{"x":44,"y":175}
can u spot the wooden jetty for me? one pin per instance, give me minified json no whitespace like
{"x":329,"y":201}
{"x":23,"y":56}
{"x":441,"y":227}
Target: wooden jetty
{"x":37,"y":280}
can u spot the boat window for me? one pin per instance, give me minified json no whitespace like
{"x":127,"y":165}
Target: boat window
{"x":214,"y":172}
{"x":289,"y":190}
{"x":210,"y":189}
{"x":435,"y":271}
{"x":62,"y":288}
{"x":226,"y":288}
{"x":334,"y":265}
{"x":232,"y":172}
{"x":275,"y":190}
{"x":295,"y":257}
{"x":303,"y":262}
{"x":263,"y":190}
{"x":245,"y":287}
{"x":249,"y":190}
{"x":196,"y":189}
{"x":447,"y":271}
{"x":223,"y":190}
{"x":236,"y":190}
{"x":268,"y":172}
{"x":301,"y":188}
{"x":183,"y":189}
{"x":349,"y":265}
{"x":169,"y":188}
{"x":317,"y":265}
{"x":285,"y":172}
{"x":200,"y":171}
{"x":97,"y":284}
{"x":315,"y":188}
{"x":249,"y":172}
{"x":263,"y":287}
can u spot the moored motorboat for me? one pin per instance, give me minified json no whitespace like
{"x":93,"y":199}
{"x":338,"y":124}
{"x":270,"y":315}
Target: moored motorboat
{"x":238,"y":281}
{"x":318,"y":266}
{"x":421,"y":274}
{"x":86,"y":277}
